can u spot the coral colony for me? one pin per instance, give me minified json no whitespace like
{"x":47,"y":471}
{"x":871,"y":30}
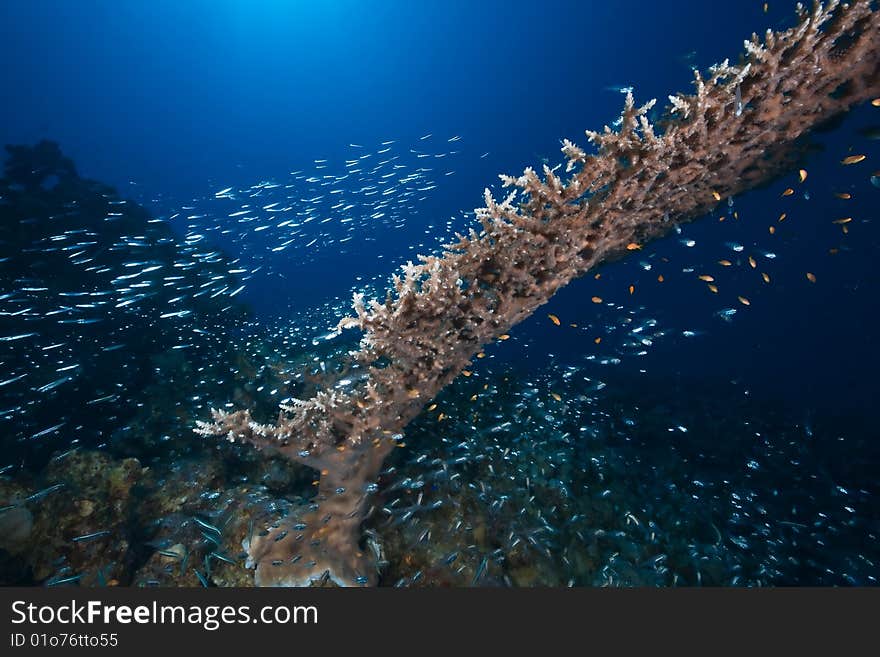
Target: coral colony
{"x":739,"y":129}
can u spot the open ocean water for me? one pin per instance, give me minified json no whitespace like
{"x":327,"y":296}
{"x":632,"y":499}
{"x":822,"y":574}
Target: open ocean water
{"x":193,"y":191}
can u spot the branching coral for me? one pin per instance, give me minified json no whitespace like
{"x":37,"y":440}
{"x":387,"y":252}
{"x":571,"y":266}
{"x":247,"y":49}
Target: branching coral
{"x":735,"y":132}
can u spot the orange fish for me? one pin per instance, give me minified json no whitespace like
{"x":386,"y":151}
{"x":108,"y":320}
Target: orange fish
{"x":752,"y":262}
{"x":802,"y":174}
{"x":706,"y":277}
{"x":744,"y":301}
{"x":713,"y":288}
{"x":556,"y":397}
{"x":772,"y":230}
{"x":716,"y":195}
{"x":660,"y":278}
{"x":504,"y":336}
{"x":725,"y":263}
{"x":597,"y":340}
{"x":811,"y":277}
{"x":843,"y":196}
{"x":766,"y":277}
{"x":788,"y":192}
{"x":596,"y":299}
{"x":845,"y":220}
{"x":852,"y":159}
{"x":632,"y":288}
{"x":632,"y":246}
{"x":782,"y":217}
{"x":554,"y":319}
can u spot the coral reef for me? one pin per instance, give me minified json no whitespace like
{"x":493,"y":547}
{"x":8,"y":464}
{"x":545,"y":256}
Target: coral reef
{"x":739,"y":129}
{"x":534,"y":492}
{"x":78,"y":518}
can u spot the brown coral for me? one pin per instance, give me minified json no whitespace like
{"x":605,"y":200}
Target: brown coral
{"x":734,"y":132}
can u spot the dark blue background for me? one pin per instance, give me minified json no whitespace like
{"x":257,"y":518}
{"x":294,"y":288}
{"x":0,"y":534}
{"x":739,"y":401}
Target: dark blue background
{"x":173,"y":100}
{"x":172,"y":95}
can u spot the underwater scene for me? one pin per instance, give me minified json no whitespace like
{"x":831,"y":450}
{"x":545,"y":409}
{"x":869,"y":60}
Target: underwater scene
{"x":343,"y":294}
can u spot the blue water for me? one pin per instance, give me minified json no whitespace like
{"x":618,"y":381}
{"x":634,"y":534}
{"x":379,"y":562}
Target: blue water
{"x":194,"y":97}
{"x":173,"y":103}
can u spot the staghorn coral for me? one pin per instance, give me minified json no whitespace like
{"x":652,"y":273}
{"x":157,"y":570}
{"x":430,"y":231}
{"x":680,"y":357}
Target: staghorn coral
{"x":736,"y":131}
